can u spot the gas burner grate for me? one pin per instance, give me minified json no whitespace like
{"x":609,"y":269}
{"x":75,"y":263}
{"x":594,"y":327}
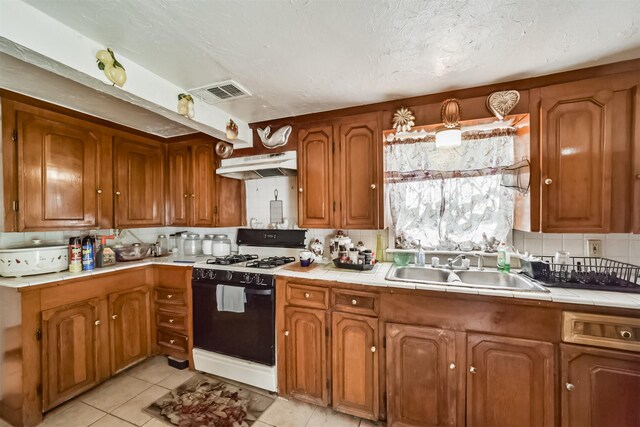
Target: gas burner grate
{"x":231,"y":259}
{"x":270,"y":262}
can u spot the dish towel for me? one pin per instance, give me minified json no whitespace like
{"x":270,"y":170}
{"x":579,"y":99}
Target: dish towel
{"x":230,"y":298}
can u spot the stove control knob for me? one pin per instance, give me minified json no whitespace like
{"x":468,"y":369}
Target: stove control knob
{"x":212,"y":274}
{"x":229,"y":275}
{"x":247,"y":278}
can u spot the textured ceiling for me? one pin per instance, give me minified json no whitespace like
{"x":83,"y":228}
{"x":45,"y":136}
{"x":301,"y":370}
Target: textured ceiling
{"x":298,"y":57}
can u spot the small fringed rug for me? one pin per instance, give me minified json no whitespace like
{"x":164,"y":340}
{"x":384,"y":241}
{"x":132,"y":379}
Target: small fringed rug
{"x":204,"y":401}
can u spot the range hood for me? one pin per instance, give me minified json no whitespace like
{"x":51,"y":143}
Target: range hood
{"x":261,"y":166}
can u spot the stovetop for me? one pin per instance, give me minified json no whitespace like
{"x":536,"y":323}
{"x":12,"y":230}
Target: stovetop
{"x":244,"y":262}
{"x":231,"y":259}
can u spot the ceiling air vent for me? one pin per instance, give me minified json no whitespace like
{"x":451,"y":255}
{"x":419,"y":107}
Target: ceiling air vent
{"x":221,"y":91}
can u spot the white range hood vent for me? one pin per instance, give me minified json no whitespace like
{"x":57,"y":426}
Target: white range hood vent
{"x":261,"y":166}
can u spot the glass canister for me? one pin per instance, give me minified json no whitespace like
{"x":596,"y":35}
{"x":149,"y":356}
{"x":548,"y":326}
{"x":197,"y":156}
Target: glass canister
{"x":221,"y":245}
{"x":207,"y":243}
{"x":163,"y":245}
{"x":192,"y":245}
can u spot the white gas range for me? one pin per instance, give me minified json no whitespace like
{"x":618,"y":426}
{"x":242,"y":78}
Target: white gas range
{"x":239,"y":343}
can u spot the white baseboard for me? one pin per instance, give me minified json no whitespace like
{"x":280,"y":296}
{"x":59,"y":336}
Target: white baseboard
{"x":243,"y":371}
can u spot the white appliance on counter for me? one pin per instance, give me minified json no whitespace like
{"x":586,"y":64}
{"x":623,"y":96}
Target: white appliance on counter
{"x":34,"y":258}
{"x":261,"y":166}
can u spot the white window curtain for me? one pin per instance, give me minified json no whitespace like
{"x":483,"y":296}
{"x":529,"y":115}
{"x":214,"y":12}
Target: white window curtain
{"x":448,"y":198}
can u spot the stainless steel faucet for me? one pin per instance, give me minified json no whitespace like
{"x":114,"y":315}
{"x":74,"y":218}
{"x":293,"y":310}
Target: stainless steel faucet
{"x":452,"y":261}
{"x":480,"y":261}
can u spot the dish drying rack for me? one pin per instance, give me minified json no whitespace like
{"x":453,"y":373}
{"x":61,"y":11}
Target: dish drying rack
{"x":587,"y":273}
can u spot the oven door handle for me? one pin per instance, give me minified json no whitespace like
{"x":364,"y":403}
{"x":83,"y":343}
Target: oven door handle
{"x":258,"y":291}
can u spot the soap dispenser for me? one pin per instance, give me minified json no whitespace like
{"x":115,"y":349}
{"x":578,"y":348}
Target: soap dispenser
{"x":420,"y":255}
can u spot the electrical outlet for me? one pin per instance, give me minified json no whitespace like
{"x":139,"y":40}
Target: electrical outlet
{"x":594,"y":248}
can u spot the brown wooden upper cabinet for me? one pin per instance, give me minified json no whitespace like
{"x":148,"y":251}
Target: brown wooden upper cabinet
{"x":599,"y":387}
{"x":197,"y":196}
{"x":62,"y":178}
{"x":340,"y":173}
{"x":139,"y":182}
{"x":587,"y":132}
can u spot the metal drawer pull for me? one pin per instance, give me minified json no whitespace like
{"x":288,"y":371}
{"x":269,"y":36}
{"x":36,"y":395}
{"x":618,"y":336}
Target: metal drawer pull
{"x":300,"y":190}
{"x":548,"y":181}
{"x":452,"y":366}
{"x":169,"y":296}
{"x":373,"y":349}
{"x":172,"y":341}
{"x":354,"y":301}
{"x":472,"y":370}
{"x":171,"y":320}
{"x":306,"y":295}
{"x":117,"y":193}
{"x":186,"y":195}
{"x":99,"y":191}
{"x":286,"y":333}
{"x":625,"y":334}
{"x":97,"y":323}
{"x":570,"y":386}
{"x":373,"y":186}
{"x":114,"y":317}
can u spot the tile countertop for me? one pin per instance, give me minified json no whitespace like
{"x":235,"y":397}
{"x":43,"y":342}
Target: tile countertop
{"x":376,"y":277}
{"x":41,"y":279}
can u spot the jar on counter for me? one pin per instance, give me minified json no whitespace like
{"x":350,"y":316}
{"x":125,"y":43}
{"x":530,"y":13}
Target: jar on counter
{"x":207,"y":244}
{"x":162,"y":245}
{"x":221,"y":245}
{"x":192,"y":245}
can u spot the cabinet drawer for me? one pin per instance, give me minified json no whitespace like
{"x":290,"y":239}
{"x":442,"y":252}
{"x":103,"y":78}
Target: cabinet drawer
{"x":355,"y":302}
{"x":171,"y":320}
{"x":601,"y":330}
{"x":307,"y":296}
{"x":173,"y":343}
{"x":170,"y":296}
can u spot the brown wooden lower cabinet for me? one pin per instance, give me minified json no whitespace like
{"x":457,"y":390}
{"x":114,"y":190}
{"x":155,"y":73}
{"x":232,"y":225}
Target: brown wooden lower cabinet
{"x":510,"y":382}
{"x":69,"y":351}
{"x":355,"y":365}
{"x":306,"y":354}
{"x":129,"y":330}
{"x":422,"y":376}
{"x":600,"y":387}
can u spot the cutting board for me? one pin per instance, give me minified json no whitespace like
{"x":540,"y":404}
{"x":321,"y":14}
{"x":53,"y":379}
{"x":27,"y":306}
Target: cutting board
{"x":297,"y":267}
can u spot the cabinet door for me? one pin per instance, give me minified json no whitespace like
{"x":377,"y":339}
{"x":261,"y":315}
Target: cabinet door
{"x":306,"y":355}
{"x":360,"y":172}
{"x":510,"y":382}
{"x":355,"y":365}
{"x":139,"y":183}
{"x":179,"y":192}
{"x":600,"y":387}
{"x":57,"y":165}
{"x":576,"y":141}
{"x":422,"y":376}
{"x":315,"y":177}
{"x":130,"y":327}
{"x":203,"y":188}
{"x":69,"y":352}
{"x":231,"y":200}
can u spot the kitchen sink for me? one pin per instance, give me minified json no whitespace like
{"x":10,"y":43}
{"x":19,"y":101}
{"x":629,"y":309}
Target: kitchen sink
{"x":487,"y":279}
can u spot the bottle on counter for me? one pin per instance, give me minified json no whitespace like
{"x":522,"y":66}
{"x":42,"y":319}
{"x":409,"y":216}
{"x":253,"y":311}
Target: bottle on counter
{"x":88,"y":253}
{"x":105,"y":256}
{"x":75,"y":254}
{"x":504,"y":259}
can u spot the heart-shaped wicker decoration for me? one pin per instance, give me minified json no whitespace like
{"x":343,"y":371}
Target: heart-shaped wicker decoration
{"x":501,"y":103}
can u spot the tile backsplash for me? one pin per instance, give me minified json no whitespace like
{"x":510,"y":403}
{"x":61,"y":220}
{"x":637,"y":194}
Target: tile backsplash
{"x":620,"y":247}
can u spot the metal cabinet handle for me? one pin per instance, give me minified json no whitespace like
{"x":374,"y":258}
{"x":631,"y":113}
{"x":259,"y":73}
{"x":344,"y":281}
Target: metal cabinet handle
{"x":625,"y":334}
{"x":300,"y":190}
{"x":172,"y":341}
{"x":548,"y":181}
{"x":286,"y":333}
{"x":570,"y":386}
{"x":114,"y":317}
{"x":306,"y":295}
{"x":169,"y":296}
{"x":117,"y":193}
{"x":373,"y":349}
{"x":97,"y":323}
{"x":186,"y":195}
{"x":354,"y":302}
{"x":452,"y":366}
{"x":373,"y":186}
{"x":171,"y":320}
{"x":472,"y":369}
{"x":99,"y":191}
{"x":193,"y":195}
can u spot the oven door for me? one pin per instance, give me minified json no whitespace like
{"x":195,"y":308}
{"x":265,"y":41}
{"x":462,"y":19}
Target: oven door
{"x":249,"y":335}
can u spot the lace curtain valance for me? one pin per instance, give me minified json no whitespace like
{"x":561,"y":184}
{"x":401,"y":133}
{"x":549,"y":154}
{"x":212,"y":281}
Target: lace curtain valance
{"x":449,"y":197}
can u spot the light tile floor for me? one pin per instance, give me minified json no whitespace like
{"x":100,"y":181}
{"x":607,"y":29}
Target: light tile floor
{"x":119,"y":402}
